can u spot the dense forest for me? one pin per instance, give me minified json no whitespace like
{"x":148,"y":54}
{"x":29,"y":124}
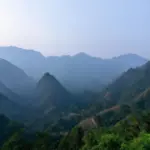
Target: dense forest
{"x":132,"y":132}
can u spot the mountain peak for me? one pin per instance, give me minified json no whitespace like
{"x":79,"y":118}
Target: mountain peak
{"x":49,"y":82}
{"x":48,"y":76}
{"x":82,"y":55}
{"x":129,"y":56}
{"x":146,"y":66}
{"x":51,"y":93}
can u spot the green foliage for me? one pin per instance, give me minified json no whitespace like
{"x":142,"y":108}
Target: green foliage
{"x":129,"y":134}
{"x":107,"y":141}
{"x":16,"y":142}
{"x":110,"y":141}
{"x":89,"y":141}
{"x":73,"y":141}
{"x":7,"y":128}
{"x":42,"y":141}
{"x":140,"y":143}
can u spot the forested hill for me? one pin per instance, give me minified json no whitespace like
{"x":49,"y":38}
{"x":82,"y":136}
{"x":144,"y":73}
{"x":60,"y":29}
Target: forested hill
{"x":124,"y":118}
{"x":126,"y":88}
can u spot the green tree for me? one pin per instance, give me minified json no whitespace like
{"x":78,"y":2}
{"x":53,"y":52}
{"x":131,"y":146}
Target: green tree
{"x":16,"y":142}
{"x":89,"y":141}
{"x":42,"y":141}
{"x":140,"y":143}
{"x":110,"y":142}
{"x":73,"y":141}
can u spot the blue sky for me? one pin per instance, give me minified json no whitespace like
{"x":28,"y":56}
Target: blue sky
{"x":102,"y":28}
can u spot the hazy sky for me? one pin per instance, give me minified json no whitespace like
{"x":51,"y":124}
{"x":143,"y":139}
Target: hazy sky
{"x":99,"y":27}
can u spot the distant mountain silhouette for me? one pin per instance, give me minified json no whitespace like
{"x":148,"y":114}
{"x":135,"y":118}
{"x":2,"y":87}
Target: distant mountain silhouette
{"x":82,"y":55}
{"x":9,"y":108}
{"x":77,"y":73}
{"x":14,"y":78}
{"x":30,"y":61}
{"x":10,"y":94}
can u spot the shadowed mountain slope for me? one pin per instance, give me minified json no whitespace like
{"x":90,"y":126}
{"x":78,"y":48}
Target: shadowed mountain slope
{"x":14,"y":78}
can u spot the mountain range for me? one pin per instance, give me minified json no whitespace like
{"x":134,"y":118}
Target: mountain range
{"x":35,"y":90}
{"x":51,"y":97}
{"x":127,"y":94}
{"x":77,"y":73}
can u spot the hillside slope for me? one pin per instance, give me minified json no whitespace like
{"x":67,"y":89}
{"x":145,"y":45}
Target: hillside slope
{"x":11,"y":95}
{"x":14,"y":78}
{"x":51,"y":93}
{"x":10,"y":108}
{"x":128,"y":86}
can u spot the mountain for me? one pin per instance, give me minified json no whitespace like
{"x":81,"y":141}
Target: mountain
{"x":9,"y":108}
{"x":60,"y":109}
{"x":7,"y":128}
{"x":124,"y":116}
{"x":52,"y":100}
{"x":129,"y":85}
{"x":11,"y":95}
{"x":131,"y":89}
{"x":141,"y":102}
{"x":57,"y":110}
{"x":77,"y":73}
{"x":14,"y":78}
{"x":51,"y":93}
{"x":84,"y":72}
{"x":16,"y":111}
{"x":128,"y":93}
{"x":131,"y":60}
{"x":32,"y":62}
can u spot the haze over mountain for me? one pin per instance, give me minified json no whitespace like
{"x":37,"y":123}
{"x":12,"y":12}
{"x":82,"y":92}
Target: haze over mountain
{"x":127,"y":94}
{"x":131,"y":84}
{"x":10,"y":94}
{"x":9,"y":108}
{"x":14,"y":79}
{"x":77,"y":73}
{"x":81,"y":80}
{"x":131,"y":88}
{"x":30,"y":61}
{"x":56,"y":110}
{"x":51,"y":94}
{"x":53,"y":101}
